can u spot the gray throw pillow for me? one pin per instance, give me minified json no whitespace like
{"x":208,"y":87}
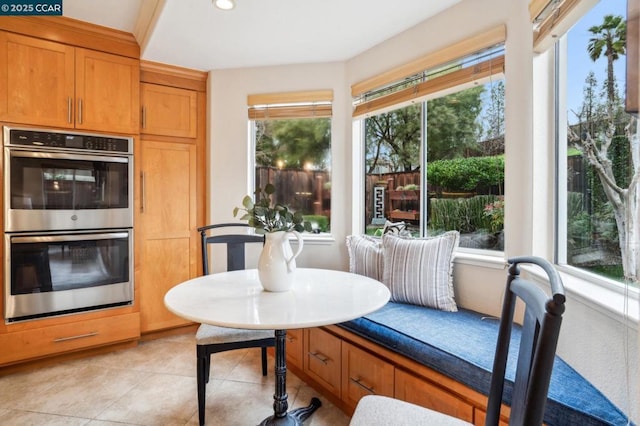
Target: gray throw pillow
{"x":419,"y":271}
{"x":365,"y":256}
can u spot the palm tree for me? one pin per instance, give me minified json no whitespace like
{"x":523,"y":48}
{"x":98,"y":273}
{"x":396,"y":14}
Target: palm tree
{"x":609,"y":38}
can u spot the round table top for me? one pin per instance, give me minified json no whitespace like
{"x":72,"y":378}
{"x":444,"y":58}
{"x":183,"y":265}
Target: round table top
{"x":236,"y":299}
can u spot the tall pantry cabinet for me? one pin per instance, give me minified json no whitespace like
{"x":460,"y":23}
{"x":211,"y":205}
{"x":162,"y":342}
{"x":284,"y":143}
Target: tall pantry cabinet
{"x":171,"y":173}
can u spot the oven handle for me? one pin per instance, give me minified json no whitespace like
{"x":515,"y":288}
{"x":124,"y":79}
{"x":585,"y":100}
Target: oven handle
{"x":68,"y":237}
{"x":67,"y":156}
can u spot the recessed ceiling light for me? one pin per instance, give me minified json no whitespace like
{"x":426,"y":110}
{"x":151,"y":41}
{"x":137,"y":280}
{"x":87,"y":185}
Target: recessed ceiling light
{"x":225,"y":4}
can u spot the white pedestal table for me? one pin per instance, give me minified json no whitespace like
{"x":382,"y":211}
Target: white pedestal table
{"x":318,"y":297}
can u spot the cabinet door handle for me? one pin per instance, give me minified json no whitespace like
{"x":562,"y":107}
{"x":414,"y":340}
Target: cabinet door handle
{"x":320,"y":357}
{"x":358,"y":382}
{"x":80,"y":111}
{"x":79,"y":336}
{"x":143,"y":198}
{"x":69,"y":109}
{"x":144,"y":117}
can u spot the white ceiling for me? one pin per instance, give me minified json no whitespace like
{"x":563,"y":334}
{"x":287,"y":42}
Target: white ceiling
{"x":195,"y":34}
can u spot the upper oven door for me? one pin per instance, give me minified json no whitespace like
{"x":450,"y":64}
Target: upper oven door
{"x":65,"y":191}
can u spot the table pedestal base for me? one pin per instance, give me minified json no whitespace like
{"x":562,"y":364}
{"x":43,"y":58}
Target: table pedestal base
{"x":293,"y":417}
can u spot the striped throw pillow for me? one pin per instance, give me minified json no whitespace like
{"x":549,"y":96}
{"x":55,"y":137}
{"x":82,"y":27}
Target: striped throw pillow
{"x":419,"y":271}
{"x":365,"y":256}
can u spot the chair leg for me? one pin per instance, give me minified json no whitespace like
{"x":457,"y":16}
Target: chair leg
{"x":264,"y":361}
{"x":207,"y":368}
{"x":202,"y":377}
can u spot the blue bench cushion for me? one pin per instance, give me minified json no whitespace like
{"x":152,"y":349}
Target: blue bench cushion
{"x":461,"y":345}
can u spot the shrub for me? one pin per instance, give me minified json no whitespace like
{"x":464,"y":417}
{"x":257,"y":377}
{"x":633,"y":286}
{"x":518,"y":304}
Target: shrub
{"x":318,"y":223}
{"x":466,"y":174}
{"x":464,"y":214}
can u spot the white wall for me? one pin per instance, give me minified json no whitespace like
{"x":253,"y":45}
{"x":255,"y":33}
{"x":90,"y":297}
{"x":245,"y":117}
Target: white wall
{"x":229,"y":174}
{"x":589,"y":338}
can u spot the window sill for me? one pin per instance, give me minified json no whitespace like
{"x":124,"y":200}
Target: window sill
{"x":597,"y":296}
{"x":483,"y":258}
{"x":607,"y":301}
{"x":325,"y":238}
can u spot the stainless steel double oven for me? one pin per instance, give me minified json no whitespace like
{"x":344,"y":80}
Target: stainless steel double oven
{"x":68,"y":222}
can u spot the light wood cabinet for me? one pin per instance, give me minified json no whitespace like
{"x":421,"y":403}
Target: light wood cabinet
{"x":295,"y":348}
{"x":364,"y":374}
{"x":107,"y":92}
{"x":167,"y":220}
{"x":418,"y":391}
{"x":367,"y":368}
{"x":322,"y":359}
{"x":54,"y":339}
{"x":481,"y":415}
{"x":170,"y":166}
{"x":168,"y":111}
{"x":37,"y":81}
{"x":53,"y":84}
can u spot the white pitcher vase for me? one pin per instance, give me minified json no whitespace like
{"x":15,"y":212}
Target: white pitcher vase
{"x":277,"y":261}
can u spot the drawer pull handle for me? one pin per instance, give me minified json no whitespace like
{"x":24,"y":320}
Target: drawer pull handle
{"x":290,"y":339}
{"x":363,"y":386}
{"x":79,"y":336}
{"x":323,"y":359}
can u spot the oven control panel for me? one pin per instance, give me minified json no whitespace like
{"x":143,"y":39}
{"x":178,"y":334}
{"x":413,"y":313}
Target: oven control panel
{"x":68,"y":140}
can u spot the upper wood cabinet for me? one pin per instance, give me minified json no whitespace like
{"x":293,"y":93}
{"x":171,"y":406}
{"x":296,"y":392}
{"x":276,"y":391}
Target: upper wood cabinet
{"x":107,"y":92}
{"x":53,"y":84}
{"x":36,"y":81}
{"x":168,"y":111}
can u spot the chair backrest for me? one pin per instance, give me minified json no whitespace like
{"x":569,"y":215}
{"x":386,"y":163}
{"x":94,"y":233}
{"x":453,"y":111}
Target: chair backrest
{"x":538,"y":342}
{"x":229,"y":234}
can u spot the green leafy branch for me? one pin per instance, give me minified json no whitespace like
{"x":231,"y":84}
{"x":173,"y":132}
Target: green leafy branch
{"x":267,"y":217}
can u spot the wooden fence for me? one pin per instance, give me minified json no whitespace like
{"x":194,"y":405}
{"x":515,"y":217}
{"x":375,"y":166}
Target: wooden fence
{"x":306,"y":191}
{"x":310,"y":191}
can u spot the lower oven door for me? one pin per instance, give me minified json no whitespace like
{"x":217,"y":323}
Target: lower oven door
{"x":55,"y":274}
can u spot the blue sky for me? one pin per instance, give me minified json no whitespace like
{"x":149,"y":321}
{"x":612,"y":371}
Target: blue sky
{"x":578,"y":62}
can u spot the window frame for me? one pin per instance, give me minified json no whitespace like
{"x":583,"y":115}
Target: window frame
{"x":572,"y":273}
{"x":309,"y":104}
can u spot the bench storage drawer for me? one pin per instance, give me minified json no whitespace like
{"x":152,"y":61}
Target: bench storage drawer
{"x":322,"y":359}
{"x":364,"y":374}
{"x":295,"y":348}
{"x":419,"y":391}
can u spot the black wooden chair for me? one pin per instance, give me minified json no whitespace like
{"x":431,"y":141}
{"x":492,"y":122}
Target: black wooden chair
{"x":537,"y":347}
{"x":211,"y":339}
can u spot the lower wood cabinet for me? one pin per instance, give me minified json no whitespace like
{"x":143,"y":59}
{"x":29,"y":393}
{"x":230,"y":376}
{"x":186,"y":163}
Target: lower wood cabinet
{"x":295,"y":348}
{"x":322,"y":359}
{"x":418,"y":391}
{"x":55,"y":339}
{"x":364,"y":374}
{"x":344,"y":367}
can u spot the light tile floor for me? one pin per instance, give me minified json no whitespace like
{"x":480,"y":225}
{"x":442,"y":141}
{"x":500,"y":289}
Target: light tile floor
{"x":152,"y":384}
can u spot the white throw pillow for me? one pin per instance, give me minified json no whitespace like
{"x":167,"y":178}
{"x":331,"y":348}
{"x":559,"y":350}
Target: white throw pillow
{"x":365,"y":256}
{"x":419,"y":271}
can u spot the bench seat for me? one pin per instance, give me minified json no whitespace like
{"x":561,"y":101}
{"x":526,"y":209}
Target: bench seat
{"x":461,"y":345}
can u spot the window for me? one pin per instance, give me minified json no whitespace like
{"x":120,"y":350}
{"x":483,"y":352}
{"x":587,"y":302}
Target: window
{"x":437,"y":163}
{"x":599,"y":148}
{"x":292,"y":139}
